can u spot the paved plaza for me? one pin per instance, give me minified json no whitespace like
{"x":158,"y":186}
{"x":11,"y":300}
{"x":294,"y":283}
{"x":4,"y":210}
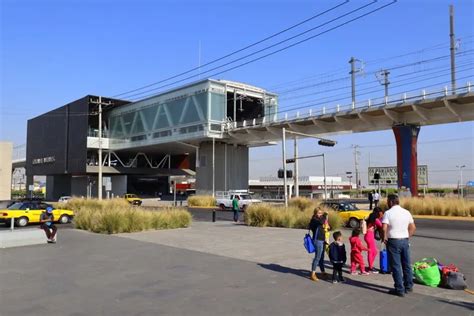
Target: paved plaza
{"x":209,"y":269}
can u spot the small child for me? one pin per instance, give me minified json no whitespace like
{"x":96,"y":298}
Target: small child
{"x":337,"y":255}
{"x":356,"y":253}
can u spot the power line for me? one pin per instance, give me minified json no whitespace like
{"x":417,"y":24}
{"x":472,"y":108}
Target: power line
{"x":281,"y":49}
{"x":239,"y":50}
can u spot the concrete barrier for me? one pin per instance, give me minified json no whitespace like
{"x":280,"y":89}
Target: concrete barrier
{"x":22,"y":237}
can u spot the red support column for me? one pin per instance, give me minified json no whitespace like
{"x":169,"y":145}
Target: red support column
{"x":406,"y":137}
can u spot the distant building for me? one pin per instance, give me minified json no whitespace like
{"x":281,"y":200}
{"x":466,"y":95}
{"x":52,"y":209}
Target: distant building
{"x":309,"y":186}
{"x":5,"y":170}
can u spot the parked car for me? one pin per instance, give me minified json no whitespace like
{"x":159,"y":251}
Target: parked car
{"x":133,"y":199}
{"x":25,"y":212}
{"x":224,"y":199}
{"x":64,"y":199}
{"x":349,"y":213}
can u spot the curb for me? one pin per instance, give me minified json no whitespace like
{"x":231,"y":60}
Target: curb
{"x":445,"y":218}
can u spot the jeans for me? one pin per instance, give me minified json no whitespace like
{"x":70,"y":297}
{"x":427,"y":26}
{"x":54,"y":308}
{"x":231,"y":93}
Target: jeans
{"x":337,"y":272}
{"x":236,"y":215}
{"x":319,"y":245}
{"x":321,"y":260}
{"x":399,"y":260}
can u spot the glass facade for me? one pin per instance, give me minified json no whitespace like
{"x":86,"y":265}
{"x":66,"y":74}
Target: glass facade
{"x":194,"y":111}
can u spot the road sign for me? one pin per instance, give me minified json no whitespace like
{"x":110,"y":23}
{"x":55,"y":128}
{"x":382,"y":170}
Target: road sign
{"x":389,"y":175}
{"x":470,"y":183}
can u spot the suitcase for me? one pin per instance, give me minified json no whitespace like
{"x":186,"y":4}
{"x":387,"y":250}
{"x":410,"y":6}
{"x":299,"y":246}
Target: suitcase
{"x":384,"y":266}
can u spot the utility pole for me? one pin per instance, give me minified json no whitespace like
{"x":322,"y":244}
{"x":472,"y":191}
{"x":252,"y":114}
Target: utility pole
{"x":356,"y":164}
{"x":99,"y":182}
{"x":295,"y":174}
{"x":283,"y":148}
{"x":353,"y":72}
{"x":461,"y":183}
{"x":99,"y":193}
{"x":384,"y":81}
{"x":452,"y":48}
{"x":324,"y":175}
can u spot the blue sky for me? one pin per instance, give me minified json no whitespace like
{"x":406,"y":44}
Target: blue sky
{"x":53,"y":52}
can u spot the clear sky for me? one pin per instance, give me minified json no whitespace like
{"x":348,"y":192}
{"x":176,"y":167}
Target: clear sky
{"x":53,"y":52}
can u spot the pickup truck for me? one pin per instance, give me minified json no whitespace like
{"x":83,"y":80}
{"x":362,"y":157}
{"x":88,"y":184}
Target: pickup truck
{"x":224,"y":201}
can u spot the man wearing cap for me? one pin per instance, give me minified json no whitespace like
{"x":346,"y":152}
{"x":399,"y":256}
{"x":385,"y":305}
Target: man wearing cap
{"x":47,"y":224}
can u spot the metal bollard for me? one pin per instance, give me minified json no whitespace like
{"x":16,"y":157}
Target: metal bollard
{"x":181,"y":203}
{"x":12,"y":224}
{"x":214,"y":216}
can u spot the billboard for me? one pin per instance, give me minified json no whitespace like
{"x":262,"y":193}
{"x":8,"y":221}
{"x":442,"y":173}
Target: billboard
{"x":389,"y":175}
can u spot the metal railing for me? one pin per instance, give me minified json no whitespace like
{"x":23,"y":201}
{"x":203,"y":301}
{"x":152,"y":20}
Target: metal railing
{"x":443,"y":92}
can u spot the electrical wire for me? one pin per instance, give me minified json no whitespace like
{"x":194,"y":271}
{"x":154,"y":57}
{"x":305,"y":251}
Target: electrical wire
{"x":276,"y":51}
{"x":239,"y":50}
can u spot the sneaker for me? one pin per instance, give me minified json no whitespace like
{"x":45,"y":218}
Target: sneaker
{"x":395,"y":292}
{"x":334,"y":282}
{"x":341,"y":279}
{"x":364,"y":273}
{"x":410,"y":290}
{"x":354,"y":273}
{"x":374,"y":271}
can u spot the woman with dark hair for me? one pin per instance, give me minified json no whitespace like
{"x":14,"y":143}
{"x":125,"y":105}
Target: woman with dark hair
{"x":316,"y":227}
{"x":374,"y":225}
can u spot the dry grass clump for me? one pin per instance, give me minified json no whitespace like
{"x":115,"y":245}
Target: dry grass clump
{"x":201,"y":201}
{"x":118,"y":216}
{"x":268,"y":215}
{"x":436,"y":206}
{"x":302,"y":203}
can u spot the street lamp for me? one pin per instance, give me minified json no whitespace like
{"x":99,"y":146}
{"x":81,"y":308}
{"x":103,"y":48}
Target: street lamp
{"x":461,"y":183}
{"x":321,"y":142}
{"x":349,"y":176}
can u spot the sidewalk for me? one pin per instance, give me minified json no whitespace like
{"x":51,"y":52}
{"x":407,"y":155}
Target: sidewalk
{"x":278,"y":247}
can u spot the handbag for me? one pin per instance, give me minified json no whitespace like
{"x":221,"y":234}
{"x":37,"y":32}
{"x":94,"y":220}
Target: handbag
{"x":426,"y":272}
{"x":308,"y":242}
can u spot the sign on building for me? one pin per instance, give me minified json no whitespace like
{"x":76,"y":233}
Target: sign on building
{"x":389,"y":175}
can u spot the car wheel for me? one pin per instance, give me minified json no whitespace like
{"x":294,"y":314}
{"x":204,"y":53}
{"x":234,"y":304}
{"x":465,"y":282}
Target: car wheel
{"x":222,"y":207}
{"x":22,"y":221}
{"x":64,"y":219}
{"x":354,"y":223}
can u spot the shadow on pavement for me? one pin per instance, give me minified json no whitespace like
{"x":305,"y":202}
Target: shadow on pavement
{"x":444,"y":238}
{"x":305,"y":274}
{"x":469,"y":306}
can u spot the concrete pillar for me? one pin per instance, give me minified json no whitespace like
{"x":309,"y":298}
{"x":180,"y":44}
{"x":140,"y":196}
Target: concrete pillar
{"x":6,"y":152}
{"x":406,"y":137}
{"x":231,"y":169}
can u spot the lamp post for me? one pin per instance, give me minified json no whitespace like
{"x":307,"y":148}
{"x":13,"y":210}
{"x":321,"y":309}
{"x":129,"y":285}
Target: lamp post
{"x":321,"y":142}
{"x":460,"y":167}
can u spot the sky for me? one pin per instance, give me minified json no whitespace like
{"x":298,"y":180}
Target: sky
{"x":53,"y":52}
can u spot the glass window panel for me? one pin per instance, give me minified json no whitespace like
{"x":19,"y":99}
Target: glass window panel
{"x":218,"y":107}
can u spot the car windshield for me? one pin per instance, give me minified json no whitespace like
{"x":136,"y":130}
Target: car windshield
{"x":131,"y":196}
{"x":347,"y":207}
{"x":15,"y":206}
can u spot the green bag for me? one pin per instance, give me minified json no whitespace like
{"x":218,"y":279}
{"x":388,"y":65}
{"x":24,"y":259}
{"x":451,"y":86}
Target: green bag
{"x":426,"y":272}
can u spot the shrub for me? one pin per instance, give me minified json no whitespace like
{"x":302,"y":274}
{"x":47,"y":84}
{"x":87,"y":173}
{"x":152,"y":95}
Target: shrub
{"x":118,"y":216}
{"x":201,"y":201}
{"x":436,"y":206}
{"x":302,"y":203}
{"x":264,"y":214}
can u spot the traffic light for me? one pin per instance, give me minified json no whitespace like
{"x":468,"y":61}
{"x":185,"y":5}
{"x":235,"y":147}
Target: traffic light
{"x":290,"y":160}
{"x":377,"y":176}
{"x":289,"y":174}
{"x":326,"y":142}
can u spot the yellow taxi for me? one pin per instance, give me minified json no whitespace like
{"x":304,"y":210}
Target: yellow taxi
{"x":133,"y":199}
{"x":25,"y":212}
{"x":350,"y":214}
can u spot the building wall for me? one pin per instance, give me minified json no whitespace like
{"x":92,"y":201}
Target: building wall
{"x":6,"y":150}
{"x":231,"y":168}
{"x":57,"y":186}
{"x":61,"y":137}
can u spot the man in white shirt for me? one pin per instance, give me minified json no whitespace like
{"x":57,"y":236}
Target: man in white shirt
{"x":376,"y":199}
{"x":398,"y":227}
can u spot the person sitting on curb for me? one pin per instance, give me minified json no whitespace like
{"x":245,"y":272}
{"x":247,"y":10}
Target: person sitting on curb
{"x":47,"y":224}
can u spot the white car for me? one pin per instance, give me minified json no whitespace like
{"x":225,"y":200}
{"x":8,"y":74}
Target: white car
{"x":64,"y":199}
{"x":224,"y":200}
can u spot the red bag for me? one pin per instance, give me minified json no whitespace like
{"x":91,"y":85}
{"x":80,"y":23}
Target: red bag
{"x":449,"y":268}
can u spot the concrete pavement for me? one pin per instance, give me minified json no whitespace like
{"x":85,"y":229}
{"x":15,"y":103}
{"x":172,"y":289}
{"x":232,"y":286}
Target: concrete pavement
{"x":208,"y":269}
